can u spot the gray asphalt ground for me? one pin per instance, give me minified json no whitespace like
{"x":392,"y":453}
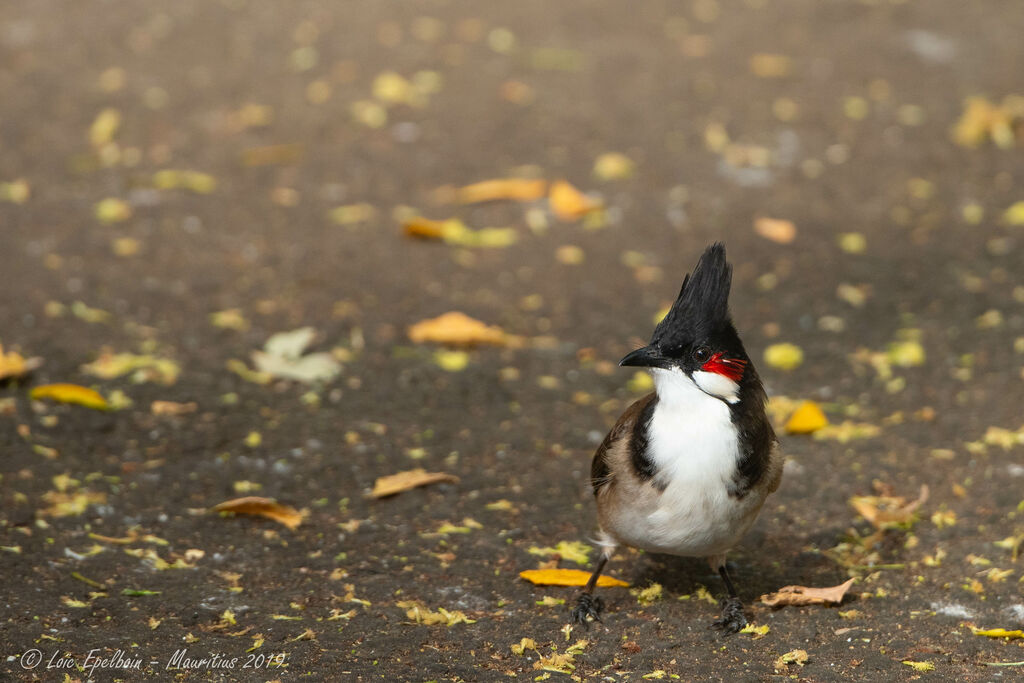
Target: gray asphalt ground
{"x":902,"y":285}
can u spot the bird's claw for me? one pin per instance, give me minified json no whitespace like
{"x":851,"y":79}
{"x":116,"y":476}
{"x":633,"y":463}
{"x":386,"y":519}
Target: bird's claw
{"x":733,"y":619}
{"x":587,"y":607}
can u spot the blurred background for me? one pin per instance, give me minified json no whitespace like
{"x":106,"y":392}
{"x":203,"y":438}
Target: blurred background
{"x":241,"y":210}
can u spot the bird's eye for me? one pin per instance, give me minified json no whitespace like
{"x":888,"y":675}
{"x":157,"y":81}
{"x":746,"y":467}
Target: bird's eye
{"x":702,"y":354}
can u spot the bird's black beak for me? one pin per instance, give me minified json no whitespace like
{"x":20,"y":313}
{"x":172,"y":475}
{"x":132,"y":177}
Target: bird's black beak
{"x":646,"y":357}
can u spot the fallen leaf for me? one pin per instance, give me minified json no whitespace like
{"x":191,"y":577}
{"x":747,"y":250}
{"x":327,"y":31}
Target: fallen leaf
{"x":802,"y":595}
{"x":998,"y":633}
{"x":523,"y":645}
{"x":404,"y":481}
{"x":886,"y":512}
{"x":263,"y":507}
{"x":144,"y":367}
{"x":566,"y":577}
{"x":807,"y":418}
{"x":282,"y":357}
{"x":196,"y":181}
{"x":648,"y":595}
{"x":455,"y":232}
{"x":230,"y":319}
{"x":14,"y":365}
{"x":452,"y":361}
{"x":923,"y":667}
{"x":172,"y":408}
{"x":457,"y":329}
{"x":784,"y":356}
{"x":574,"y":551}
{"x":613,"y":166}
{"x":517,"y":189}
{"x":792,"y":657}
{"x":568,"y":203}
{"x":416,"y":611}
{"x":70,"y":393}
{"x":112,"y":210}
{"x":757,"y":632}
{"x":63,"y":504}
{"x":104,"y":127}
{"x":777,"y":230}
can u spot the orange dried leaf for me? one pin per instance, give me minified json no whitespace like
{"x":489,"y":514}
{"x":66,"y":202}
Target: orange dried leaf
{"x":568,"y":203}
{"x":410,"y":479}
{"x":456,"y":329}
{"x":775,"y":229}
{"x":263,"y":507}
{"x":802,"y":595}
{"x":807,"y":418}
{"x":425,"y":228}
{"x":71,"y":393}
{"x":518,"y":189}
{"x":566,"y":577}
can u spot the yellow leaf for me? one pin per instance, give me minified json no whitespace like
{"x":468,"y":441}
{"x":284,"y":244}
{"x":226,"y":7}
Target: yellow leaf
{"x":1015,"y":214}
{"x":640,"y":383}
{"x":113,"y":210}
{"x":350,"y":214}
{"x":404,"y":481}
{"x":16,"y":191}
{"x":568,"y":203}
{"x":807,"y":418}
{"x":920,"y":666}
{"x":452,"y":361}
{"x":566,"y":577}
{"x":998,"y":633}
{"x":13,"y":365}
{"x":263,"y":507}
{"x":145,"y":368}
{"x":456,"y":329}
{"x":792,"y":657}
{"x":71,"y":393}
{"x":574,"y":551}
{"x":613,"y":166}
{"x":777,"y":230}
{"x":523,"y":645}
{"x":784,"y":356}
{"x":757,"y":631}
{"x":648,"y":595}
{"x":416,"y":611}
{"x":104,"y":127}
{"x":517,"y":189}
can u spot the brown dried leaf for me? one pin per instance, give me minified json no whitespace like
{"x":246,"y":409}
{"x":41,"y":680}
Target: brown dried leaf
{"x":802,"y":595}
{"x":404,"y":481}
{"x":172,"y":408}
{"x":566,"y":577}
{"x":263,"y":507}
{"x":887,"y":511}
{"x":456,"y":329}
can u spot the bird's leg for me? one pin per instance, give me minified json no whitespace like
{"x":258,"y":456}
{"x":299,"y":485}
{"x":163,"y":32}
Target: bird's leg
{"x":587,"y":606}
{"x":732,"y":619}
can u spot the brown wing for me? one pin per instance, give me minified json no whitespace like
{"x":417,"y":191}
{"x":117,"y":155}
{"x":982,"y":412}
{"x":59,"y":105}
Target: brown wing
{"x":600,"y":469}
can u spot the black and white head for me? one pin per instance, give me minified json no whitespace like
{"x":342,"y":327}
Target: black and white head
{"x":696,"y":341}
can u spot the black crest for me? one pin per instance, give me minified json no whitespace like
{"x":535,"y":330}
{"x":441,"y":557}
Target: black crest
{"x":702,"y":307}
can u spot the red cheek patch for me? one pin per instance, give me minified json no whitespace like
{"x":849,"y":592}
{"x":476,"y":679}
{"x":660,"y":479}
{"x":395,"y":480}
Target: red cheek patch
{"x":730,"y":368}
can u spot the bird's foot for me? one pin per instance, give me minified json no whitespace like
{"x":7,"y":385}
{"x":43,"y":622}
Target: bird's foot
{"x":732,"y":619}
{"x":587,"y":607}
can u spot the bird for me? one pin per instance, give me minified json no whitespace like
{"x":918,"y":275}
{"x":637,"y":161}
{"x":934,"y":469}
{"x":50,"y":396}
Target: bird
{"x":687,"y":468}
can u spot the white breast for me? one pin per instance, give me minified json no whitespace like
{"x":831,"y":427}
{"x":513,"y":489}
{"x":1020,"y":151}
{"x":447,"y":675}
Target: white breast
{"x":695,"y":449}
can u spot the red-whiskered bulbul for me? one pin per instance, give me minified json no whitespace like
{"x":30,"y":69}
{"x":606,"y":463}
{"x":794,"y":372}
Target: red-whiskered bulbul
{"x":687,"y":468}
